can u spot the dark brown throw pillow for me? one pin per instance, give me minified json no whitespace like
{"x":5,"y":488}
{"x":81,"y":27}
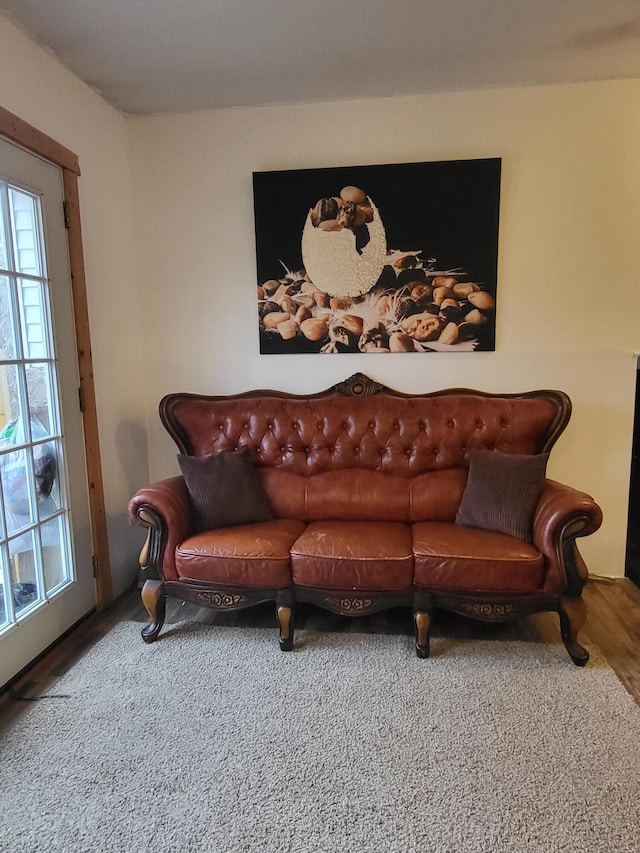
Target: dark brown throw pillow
{"x":224,"y":490}
{"x":502,"y":492}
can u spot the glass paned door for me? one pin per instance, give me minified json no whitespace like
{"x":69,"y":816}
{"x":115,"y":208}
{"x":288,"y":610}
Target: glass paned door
{"x":46,"y":582}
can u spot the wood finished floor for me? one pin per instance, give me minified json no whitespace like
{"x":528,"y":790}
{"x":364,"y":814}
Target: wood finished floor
{"x":613,"y":624}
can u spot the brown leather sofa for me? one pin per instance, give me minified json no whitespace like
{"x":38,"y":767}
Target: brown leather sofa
{"x":365,"y":484}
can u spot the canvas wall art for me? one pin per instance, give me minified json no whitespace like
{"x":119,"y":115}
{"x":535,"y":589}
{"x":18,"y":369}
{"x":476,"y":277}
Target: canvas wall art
{"x":378,"y":259}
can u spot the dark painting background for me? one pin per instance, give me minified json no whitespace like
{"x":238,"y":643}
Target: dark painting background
{"x":447,"y":209}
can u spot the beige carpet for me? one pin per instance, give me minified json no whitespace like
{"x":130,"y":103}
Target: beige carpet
{"x":213,"y":740}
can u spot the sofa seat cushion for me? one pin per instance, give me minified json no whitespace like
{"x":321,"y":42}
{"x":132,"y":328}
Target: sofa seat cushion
{"x":450,"y":556}
{"x":353,"y":555}
{"x":255,"y":555}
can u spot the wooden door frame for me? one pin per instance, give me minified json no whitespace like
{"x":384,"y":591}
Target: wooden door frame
{"x":16,"y":130}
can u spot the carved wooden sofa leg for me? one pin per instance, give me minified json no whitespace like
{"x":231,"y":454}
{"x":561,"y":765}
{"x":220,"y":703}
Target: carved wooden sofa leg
{"x":285,"y":612}
{"x":423,"y":623}
{"x":154,"y":600}
{"x":573,"y":613}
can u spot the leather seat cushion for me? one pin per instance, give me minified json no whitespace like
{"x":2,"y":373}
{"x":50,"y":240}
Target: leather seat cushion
{"x":353,"y":555}
{"x":255,"y":555}
{"x":451,"y":556}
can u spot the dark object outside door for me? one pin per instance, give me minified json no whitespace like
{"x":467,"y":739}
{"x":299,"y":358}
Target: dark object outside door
{"x":632,"y":562}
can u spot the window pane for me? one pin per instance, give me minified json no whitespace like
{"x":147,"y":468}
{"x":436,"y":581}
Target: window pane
{"x":8,"y":349}
{"x":10,"y":381}
{"x":45,"y":466}
{"x":24,"y":575}
{"x":5,"y":584}
{"x":54,"y":554}
{"x":15,"y":475}
{"x":3,"y":533}
{"x":33,"y":317}
{"x":26,"y":243}
{"x":40,"y":396}
{"x":5,"y":262}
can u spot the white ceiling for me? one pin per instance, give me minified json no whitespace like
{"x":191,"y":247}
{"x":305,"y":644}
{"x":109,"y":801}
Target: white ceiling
{"x":148,"y":56}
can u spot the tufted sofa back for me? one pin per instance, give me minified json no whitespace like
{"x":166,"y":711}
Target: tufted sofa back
{"x":362,"y":451}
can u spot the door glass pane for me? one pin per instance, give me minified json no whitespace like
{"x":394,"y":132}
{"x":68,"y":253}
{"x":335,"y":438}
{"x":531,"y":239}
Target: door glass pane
{"x":10,"y":380}
{"x":8,"y":348}
{"x":27,"y":591}
{"x":40,"y":393}
{"x":45,"y":467}
{"x":6,"y":603}
{"x":54,"y":557}
{"x":4,"y":616}
{"x":26,"y":232}
{"x":16,"y":474}
{"x":5,"y":238}
{"x":33,"y":319}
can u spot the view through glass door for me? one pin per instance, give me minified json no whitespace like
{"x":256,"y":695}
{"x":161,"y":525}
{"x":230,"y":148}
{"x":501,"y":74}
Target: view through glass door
{"x":46,"y":580}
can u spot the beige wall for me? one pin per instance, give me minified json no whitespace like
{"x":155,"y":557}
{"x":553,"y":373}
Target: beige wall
{"x":568,"y":260}
{"x":36,"y":87}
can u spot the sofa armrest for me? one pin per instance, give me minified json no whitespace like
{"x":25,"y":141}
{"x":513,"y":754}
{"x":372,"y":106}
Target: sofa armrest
{"x":165,"y":509}
{"x":562,"y":515}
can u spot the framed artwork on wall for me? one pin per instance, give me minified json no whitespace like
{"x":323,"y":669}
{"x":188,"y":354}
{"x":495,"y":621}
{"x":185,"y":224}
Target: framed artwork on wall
{"x":377,"y":259}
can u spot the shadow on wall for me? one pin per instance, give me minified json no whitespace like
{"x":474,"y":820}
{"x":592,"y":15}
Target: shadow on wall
{"x":132,"y":447}
{"x":125,"y":539}
{"x":125,"y":542}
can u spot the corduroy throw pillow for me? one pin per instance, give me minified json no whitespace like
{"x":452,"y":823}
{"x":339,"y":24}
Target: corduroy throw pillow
{"x":224,"y":490}
{"x":502,"y":492}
